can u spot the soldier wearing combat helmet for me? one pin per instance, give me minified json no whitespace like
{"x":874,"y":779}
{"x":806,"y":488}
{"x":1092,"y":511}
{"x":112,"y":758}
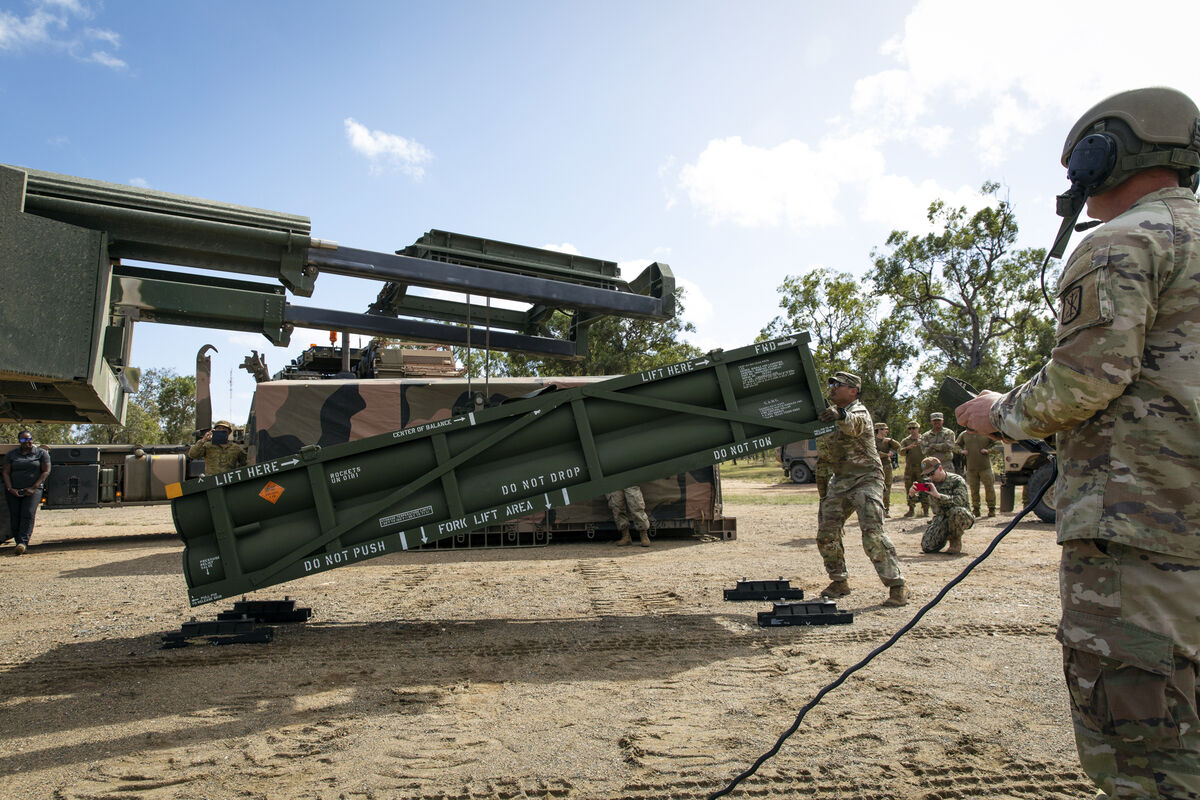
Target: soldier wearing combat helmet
{"x":219,"y":453}
{"x":1120,"y":391}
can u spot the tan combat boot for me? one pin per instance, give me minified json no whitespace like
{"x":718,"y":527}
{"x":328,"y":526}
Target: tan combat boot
{"x":955,"y":545}
{"x":645,"y":539}
{"x":836,"y":589}
{"x":898,"y":596}
{"x":991,"y":511}
{"x":624,"y":540}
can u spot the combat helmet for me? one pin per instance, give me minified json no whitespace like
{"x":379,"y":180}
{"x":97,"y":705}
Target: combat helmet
{"x":1132,"y":131}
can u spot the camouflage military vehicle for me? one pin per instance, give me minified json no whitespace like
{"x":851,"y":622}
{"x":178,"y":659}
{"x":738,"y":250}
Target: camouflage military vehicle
{"x":1028,"y":468}
{"x":798,"y":460}
{"x":287,"y":415}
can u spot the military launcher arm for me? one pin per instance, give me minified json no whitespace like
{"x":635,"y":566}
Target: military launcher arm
{"x":82,"y":231}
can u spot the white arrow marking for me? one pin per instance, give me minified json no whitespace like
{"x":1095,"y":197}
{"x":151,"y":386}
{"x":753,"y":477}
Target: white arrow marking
{"x":459,"y":419}
{"x":291,"y":463}
{"x":703,"y":363}
{"x":787,"y":341}
{"x":547,"y":500}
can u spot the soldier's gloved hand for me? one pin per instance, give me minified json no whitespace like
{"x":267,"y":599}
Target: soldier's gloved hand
{"x":832,"y":413}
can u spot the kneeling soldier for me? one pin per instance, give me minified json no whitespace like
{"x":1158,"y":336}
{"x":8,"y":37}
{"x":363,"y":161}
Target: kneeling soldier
{"x":951,"y":507}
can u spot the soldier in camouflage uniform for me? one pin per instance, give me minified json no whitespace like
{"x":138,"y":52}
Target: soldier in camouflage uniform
{"x":911,"y":448}
{"x":219,"y":454}
{"x":824,"y":466}
{"x":886,"y":447}
{"x":938,"y":442}
{"x":951,"y":515}
{"x":977,"y":450}
{"x":629,"y":506}
{"x":1120,"y":391}
{"x":857,"y":483}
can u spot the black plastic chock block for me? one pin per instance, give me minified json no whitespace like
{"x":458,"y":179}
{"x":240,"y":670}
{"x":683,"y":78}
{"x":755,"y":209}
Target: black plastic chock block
{"x":273,"y":611}
{"x":222,"y":631}
{"x":810,"y":612}
{"x":764,"y":591}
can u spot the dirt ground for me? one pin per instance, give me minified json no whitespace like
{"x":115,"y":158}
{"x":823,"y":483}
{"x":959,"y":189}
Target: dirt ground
{"x":577,"y":670}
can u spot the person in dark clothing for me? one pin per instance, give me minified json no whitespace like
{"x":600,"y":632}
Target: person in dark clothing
{"x":25,"y":471}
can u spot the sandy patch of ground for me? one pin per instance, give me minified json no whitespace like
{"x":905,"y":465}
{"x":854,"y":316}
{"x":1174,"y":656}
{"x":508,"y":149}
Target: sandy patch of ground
{"x":578,"y":670}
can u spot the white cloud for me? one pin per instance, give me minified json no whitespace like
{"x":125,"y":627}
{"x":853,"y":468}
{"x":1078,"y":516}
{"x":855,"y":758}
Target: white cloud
{"x":140,"y":182}
{"x":900,"y":204}
{"x":697,"y":308}
{"x":565,"y":247}
{"x":53,"y":24}
{"x":387,"y":151}
{"x":791,"y":183}
{"x":1021,"y":66}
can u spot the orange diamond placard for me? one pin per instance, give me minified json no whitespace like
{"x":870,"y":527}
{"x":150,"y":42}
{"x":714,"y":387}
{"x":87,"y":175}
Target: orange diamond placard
{"x":271,"y":492}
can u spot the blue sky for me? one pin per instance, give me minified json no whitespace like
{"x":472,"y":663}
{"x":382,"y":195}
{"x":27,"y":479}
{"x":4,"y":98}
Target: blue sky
{"x":737,"y":142}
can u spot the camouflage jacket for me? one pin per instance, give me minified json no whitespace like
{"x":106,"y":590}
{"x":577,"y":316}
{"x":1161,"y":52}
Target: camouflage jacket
{"x":218,"y":457}
{"x":885,"y":447}
{"x":940,"y":444}
{"x":1122,"y":383}
{"x":852,"y":445}
{"x":954,"y":494}
{"x":912,"y":456}
{"x":970,"y":444}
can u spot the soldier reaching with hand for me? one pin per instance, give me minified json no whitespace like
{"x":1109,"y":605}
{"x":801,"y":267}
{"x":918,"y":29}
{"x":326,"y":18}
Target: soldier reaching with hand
{"x":857,"y":483}
{"x":219,"y":454}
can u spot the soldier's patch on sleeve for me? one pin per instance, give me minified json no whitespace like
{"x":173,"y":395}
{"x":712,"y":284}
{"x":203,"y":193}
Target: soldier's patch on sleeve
{"x":1083,"y":297}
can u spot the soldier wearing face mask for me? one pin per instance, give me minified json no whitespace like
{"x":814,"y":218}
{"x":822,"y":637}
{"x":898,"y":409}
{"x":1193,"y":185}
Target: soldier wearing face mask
{"x":219,"y":453}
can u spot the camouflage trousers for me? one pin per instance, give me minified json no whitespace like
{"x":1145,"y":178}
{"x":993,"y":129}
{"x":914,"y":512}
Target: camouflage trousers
{"x":944,"y":526}
{"x":1131,"y":653}
{"x":628,"y":505}
{"x":974,"y":478}
{"x":836,"y":507}
{"x":912,"y":475}
{"x":887,"y":483}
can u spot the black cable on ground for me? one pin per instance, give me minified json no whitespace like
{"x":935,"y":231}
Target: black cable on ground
{"x":894,"y":638}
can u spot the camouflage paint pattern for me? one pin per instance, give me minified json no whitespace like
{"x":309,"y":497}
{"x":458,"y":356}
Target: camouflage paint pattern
{"x":856,"y":484}
{"x":979,"y":466}
{"x":1120,"y":390}
{"x":951,"y":513}
{"x":288,"y":415}
{"x":939,"y":444}
{"x":1131,"y":642}
{"x":627,"y":507}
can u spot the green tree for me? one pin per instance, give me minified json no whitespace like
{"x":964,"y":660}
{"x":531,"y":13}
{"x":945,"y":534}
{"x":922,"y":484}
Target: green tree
{"x":162,"y":412}
{"x":972,"y":291}
{"x":848,"y":332}
{"x":43,"y":432}
{"x":616,"y":346}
